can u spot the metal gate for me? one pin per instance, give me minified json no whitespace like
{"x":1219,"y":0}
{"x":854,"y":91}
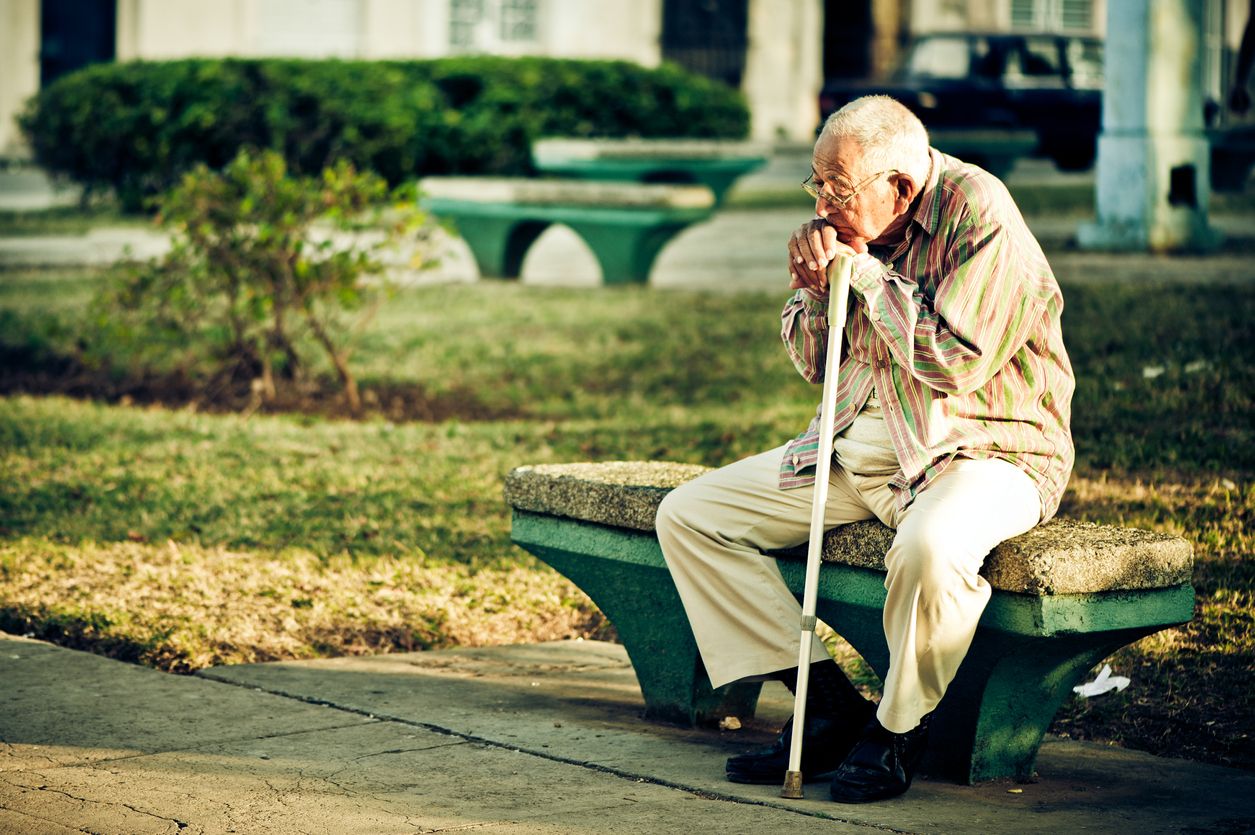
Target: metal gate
{"x":707,"y":37}
{"x":73,"y":34}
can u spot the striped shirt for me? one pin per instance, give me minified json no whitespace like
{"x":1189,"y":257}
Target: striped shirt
{"x":957,"y":330}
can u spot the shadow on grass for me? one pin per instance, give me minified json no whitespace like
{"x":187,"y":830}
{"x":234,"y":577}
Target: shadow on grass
{"x":32,"y":371}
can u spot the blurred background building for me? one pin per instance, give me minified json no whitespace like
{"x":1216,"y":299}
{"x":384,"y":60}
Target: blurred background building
{"x":778,"y":52}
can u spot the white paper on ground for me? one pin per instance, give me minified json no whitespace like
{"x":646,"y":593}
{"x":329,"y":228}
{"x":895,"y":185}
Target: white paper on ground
{"x":1105,"y":682}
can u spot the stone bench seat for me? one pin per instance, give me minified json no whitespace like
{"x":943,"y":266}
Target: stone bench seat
{"x":716,"y":164}
{"x":995,"y":149}
{"x":1066,"y":595}
{"x":625,"y":225}
{"x":1232,"y":155}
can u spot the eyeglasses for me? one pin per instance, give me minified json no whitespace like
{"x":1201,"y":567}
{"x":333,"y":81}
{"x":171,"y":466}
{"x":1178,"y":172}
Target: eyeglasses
{"x":811,"y":188}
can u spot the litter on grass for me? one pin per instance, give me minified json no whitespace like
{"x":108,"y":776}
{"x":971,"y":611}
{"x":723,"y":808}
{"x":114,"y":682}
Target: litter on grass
{"x":1104,"y":683}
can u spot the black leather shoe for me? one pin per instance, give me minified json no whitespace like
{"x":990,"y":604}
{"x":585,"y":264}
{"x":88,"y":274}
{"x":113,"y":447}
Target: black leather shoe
{"x":825,"y":745}
{"x":881,"y":765}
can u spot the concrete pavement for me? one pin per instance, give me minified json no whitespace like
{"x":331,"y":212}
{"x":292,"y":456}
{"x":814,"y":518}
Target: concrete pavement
{"x":533,"y":738}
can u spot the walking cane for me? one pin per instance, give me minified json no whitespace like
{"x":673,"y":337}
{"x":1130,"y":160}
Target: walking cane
{"x":838,"y":293}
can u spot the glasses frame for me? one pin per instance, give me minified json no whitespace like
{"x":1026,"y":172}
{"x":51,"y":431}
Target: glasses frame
{"x":843,"y":200}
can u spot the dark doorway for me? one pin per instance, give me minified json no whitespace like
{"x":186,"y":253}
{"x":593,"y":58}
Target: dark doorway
{"x":75,"y":33}
{"x":707,"y":37}
{"x":848,"y":36}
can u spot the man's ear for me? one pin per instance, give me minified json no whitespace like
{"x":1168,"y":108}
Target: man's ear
{"x":905,"y":188}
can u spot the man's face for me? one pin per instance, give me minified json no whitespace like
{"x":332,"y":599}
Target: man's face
{"x":874,"y":214}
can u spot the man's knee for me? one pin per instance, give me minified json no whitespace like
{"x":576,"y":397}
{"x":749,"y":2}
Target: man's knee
{"x":678,"y":510}
{"x":932,"y":557}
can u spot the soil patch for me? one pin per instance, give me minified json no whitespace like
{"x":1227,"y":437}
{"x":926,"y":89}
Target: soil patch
{"x":26,"y":371}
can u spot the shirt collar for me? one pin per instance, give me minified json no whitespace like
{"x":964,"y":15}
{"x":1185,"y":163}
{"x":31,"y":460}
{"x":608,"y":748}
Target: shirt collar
{"x":928,"y":213}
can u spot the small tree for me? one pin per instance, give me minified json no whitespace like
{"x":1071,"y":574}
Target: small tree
{"x":260,"y":259}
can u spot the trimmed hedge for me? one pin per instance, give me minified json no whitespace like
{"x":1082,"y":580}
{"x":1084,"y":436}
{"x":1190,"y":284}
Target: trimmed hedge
{"x":135,"y":127}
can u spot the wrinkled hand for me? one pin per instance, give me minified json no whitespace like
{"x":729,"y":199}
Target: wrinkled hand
{"x":811,"y":248}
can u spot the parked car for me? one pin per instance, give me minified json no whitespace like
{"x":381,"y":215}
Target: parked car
{"x":1049,"y":85}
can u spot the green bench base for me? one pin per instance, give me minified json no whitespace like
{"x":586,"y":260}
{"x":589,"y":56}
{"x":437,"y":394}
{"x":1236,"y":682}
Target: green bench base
{"x":625,"y":242}
{"x":995,"y":150}
{"x":1028,"y":653}
{"x":1232,"y":155}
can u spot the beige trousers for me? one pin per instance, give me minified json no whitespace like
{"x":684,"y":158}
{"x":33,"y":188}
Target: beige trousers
{"x":714,"y":530}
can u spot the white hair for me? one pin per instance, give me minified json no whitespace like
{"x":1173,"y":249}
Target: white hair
{"x":890,"y":135}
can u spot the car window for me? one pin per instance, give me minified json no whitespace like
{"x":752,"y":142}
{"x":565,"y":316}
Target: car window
{"x":988,"y":59}
{"x":1040,"y":57}
{"x":939,"y":58}
{"x":1085,"y":63}
{"x":1034,"y":62}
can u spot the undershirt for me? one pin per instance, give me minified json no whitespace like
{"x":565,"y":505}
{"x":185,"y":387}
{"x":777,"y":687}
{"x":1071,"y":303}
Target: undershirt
{"x":864,"y":447}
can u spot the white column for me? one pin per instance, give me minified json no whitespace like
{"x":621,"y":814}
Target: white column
{"x":784,"y":69}
{"x":1154,"y":173}
{"x":19,"y":68}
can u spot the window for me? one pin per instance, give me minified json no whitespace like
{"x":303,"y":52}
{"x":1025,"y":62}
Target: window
{"x":1024,"y":14}
{"x":464,"y":17}
{"x":493,"y":25}
{"x":518,"y":20}
{"x":1084,"y":63}
{"x":1076,"y":15}
{"x":940,"y":58}
{"x":1034,"y":63}
{"x":1053,"y":15}
{"x":1040,"y":57}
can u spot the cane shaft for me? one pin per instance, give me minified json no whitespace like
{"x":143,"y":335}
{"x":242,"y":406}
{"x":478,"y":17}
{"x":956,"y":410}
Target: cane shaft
{"x":838,"y":293}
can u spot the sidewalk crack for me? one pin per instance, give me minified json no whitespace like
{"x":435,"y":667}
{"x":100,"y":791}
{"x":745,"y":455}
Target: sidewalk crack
{"x":634,"y":777}
{"x":85,"y":801}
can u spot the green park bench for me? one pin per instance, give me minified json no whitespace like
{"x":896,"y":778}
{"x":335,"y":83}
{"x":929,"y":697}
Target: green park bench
{"x":1232,"y":155}
{"x":716,"y":164}
{"x":994,"y":149}
{"x":625,"y":225}
{"x":1066,"y":595}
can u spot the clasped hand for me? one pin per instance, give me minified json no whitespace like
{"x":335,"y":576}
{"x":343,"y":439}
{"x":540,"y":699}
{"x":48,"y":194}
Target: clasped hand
{"x":811,"y":248}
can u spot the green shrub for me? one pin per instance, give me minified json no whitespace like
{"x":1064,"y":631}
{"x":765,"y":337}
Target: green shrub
{"x":248,"y":281}
{"x":133,"y":128}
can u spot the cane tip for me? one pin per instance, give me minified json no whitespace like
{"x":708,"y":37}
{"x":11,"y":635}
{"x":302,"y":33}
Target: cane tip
{"x":792,"y":785}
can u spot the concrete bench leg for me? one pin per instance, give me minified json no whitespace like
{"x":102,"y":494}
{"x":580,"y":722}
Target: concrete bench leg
{"x":1027,"y":656}
{"x":499,"y":244}
{"x":624,"y":574}
{"x":1001,"y":704}
{"x":1011,"y":685}
{"x":626,"y":251}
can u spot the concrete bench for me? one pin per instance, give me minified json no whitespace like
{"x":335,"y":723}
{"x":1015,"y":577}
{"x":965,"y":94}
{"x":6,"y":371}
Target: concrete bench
{"x":716,"y":164}
{"x":994,"y":149}
{"x":626,"y":225}
{"x":1066,"y":595}
{"x":1232,"y":155}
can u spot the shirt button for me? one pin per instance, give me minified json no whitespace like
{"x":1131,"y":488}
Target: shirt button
{"x":795,"y":460}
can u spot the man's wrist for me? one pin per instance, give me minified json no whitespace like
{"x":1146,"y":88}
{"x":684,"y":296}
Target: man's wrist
{"x":867,"y":274}
{"x":813,"y":301}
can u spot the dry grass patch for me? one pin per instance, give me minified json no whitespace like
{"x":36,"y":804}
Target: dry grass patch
{"x":184,"y":607}
{"x":1190,"y":694}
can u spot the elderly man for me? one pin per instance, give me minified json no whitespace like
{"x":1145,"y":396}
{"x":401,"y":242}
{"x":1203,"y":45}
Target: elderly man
{"x":951,"y":427}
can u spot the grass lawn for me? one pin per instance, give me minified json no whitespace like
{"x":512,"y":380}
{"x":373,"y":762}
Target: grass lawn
{"x":181,"y":538}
